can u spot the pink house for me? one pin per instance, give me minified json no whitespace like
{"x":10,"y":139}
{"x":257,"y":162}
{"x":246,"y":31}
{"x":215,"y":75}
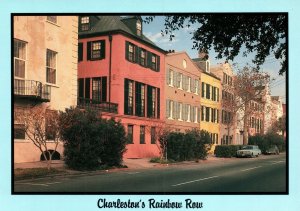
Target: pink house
{"x":121,"y":72}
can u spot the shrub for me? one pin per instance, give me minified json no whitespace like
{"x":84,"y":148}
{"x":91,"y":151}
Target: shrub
{"x":90,"y":141}
{"x":226,"y":151}
{"x":187,"y":146}
{"x":266,"y":141}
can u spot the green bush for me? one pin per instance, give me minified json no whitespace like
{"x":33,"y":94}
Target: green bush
{"x":226,"y":151}
{"x":264,"y":142}
{"x":187,"y":146}
{"x":90,"y":141}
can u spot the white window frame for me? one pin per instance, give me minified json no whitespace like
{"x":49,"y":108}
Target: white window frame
{"x":195,"y":114}
{"x":188,"y":113}
{"x":189,"y":84}
{"x":56,"y":58}
{"x":171,"y":78}
{"x":22,"y":59}
{"x":180,"y":112}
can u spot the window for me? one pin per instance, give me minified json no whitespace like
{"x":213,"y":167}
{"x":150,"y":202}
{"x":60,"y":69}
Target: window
{"x":128,"y":102}
{"x":154,"y":62}
{"x":19,"y":131}
{"x":99,"y":89}
{"x":203,"y":89}
{"x":207,"y":91}
{"x":151,"y":102}
{"x":52,"y":19}
{"x":49,"y":130}
{"x":19,"y":58}
{"x":207,"y":114}
{"x":51,"y":67}
{"x":142,"y":57}
{"x":131,"y":52}
{"x":142,"y":134}
{"x":179,"y":81}
{"x":189,"y":84}
{"x":170,"y":77}
{"x":188,"y":113}
{"x":139,"y":28}
{"x":85,"y":23}
{"x":153,"y":135}
{"x":203,"y":110}
{"x":130,"y":134}
{"x":196,"y":84}
{"x":180,"y":111}
{"x":170,"y":109}
{"x":96,"y":50}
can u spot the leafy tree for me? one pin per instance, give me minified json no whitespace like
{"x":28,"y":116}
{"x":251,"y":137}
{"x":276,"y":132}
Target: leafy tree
{"x":90,"y":141}
{"x":228,"y":34}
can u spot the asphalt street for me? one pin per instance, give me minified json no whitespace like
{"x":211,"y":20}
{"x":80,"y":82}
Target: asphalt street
{"x":265,"y":174}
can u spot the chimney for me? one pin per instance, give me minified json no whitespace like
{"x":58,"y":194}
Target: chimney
{"x":202,"y":54}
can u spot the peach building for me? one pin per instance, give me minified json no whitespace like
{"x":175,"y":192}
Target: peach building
{"x":44,"y":71}
{"x":182,"y":92}
{"x":122,"y":73}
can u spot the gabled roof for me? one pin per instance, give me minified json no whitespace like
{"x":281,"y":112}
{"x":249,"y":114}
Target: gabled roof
{"x":106,"y":24}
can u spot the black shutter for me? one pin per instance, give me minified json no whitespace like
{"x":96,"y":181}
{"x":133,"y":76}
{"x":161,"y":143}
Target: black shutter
{"x":89,"y":46}
{"x":149,"y":59}
{"x":149,"y":101}
{"x":136,"y":53}
{"x":158,"y":103}
{"x":127,"y":50}
{"x":158,"y":64}
{"x":102,"y":49}
{"x":104,"y":89}
{"x":80,"y":52}
{"x":80,"y":87}
{"x":138,"y":108}
{"x":87,"y":88}
{"x":126,"y":86}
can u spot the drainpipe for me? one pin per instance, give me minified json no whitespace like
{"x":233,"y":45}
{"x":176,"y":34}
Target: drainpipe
{"x":109,"y":74}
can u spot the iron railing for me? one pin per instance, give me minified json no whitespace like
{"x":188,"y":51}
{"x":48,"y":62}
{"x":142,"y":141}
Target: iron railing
{"x":32,"y":89}
{"x":98,"y":105}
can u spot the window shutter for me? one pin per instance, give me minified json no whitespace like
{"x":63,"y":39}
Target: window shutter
{"x":104,"y":89}
{"x":158,"y":63}
{"x":149,"y":101}
{"x":168,"y":77}
{"x":127,"y":50}
{"x":138,"y":108}
{"x":126,"y":86}
{"x":137,"y":54}
{"x":158,"y":103}
{"x":102,"y":49}
{"x":149,"y":59}
{"x":198,"y":114}
{"x":167,"y":108}
{"x":89,"y":47}
{"x":87,"y":88}
{"x":81,"y":87}
{"x":80,"y":52}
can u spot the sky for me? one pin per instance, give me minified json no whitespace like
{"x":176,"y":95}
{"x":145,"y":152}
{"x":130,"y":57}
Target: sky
{"x":183,"y":42}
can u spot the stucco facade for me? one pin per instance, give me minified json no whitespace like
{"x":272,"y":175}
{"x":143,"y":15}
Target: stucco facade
{"x":182,"y":92}
{"x":130,"y":73}
{"x":45,"y":71}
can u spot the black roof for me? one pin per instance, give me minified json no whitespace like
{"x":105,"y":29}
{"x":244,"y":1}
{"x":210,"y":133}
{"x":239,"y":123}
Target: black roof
{"x":109,"y":24}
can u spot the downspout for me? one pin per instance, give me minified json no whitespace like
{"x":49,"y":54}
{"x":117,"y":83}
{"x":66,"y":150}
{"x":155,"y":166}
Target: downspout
{"x":109,"y":74}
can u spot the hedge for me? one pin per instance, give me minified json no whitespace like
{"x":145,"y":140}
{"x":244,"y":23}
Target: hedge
{"x":226,"y":151}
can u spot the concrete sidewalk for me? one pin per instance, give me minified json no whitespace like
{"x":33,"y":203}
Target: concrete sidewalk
{"x":138,"y":163}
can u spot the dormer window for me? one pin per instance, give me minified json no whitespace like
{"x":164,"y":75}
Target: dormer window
{"x":85,"y":23}
{"x":139,"y":28}
{"x":207,"y":66}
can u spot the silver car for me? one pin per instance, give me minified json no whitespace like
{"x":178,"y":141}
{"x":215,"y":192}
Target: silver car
{"x":249,"y":151}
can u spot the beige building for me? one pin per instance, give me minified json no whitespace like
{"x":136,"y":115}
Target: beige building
{"x":45,"y":72}
{"x":229,"y":117}
{"x":182,"y":92}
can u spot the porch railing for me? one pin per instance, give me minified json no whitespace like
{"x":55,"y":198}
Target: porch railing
{"x":98,"y":105}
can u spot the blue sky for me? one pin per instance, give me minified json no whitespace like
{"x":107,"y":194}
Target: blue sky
{"x":183,"y":42}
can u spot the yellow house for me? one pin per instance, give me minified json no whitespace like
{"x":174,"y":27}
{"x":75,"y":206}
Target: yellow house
{"x":210,"y":101}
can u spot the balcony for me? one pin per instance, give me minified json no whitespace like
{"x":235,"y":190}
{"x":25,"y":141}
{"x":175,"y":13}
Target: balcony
{"x":33,"y":90}
{"x":85,"y":103}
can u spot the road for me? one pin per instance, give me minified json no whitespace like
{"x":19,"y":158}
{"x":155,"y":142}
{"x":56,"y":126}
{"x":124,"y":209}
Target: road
{"x":265,"y":174}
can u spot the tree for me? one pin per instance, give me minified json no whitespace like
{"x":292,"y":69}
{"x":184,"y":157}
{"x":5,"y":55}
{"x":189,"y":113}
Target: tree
{"x":42,"y":128}
{"x":279,"y":126}
{"x":159,"y":132}
{"x":228,"y":34}
{"x":250,"y":85}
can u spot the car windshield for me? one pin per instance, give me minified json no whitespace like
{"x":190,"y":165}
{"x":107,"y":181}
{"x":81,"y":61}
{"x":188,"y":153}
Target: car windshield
{"x":248,"y":147}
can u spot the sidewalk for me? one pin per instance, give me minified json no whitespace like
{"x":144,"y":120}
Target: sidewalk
{"x":137,"y":163}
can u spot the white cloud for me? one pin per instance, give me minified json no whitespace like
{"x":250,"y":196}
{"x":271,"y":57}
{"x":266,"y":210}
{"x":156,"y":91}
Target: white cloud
{"x":159,"y":39}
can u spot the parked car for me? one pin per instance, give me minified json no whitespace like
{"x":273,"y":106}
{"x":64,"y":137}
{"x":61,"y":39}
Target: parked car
{"x":249,"y":151}
{"x":272,"y":150}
